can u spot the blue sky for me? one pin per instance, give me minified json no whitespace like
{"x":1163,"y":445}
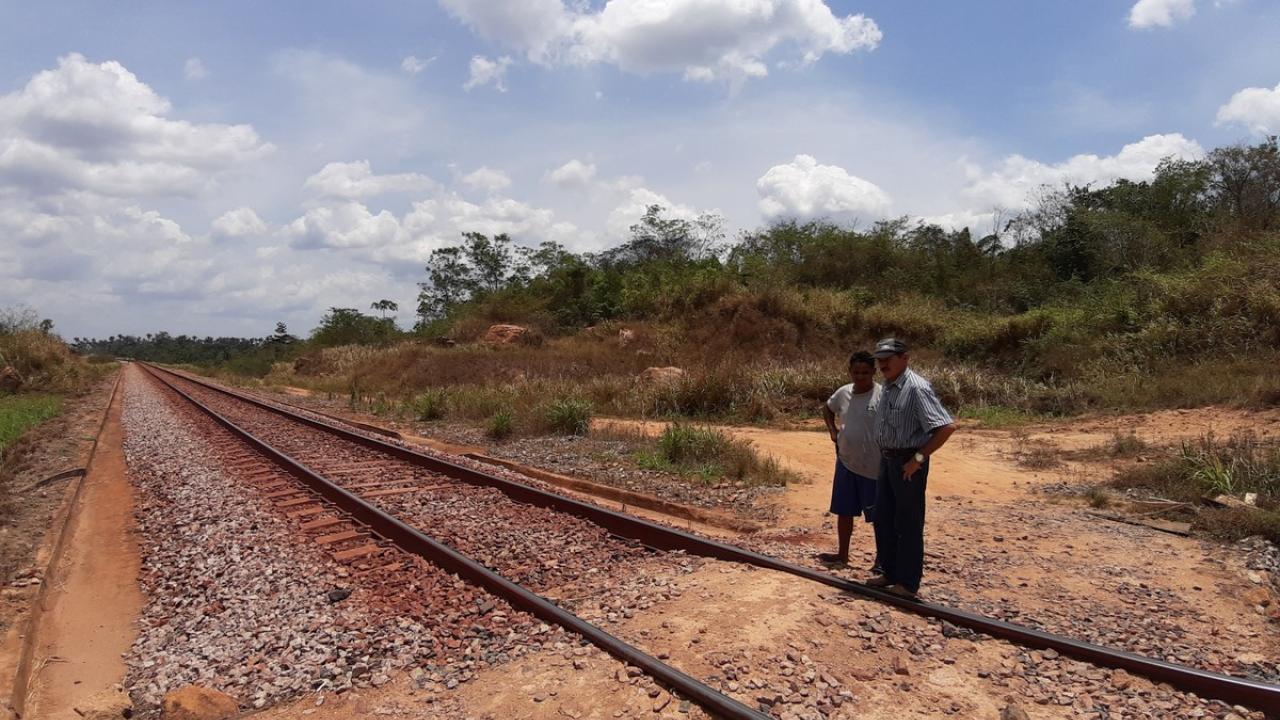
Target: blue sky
{"x":212,"y":169}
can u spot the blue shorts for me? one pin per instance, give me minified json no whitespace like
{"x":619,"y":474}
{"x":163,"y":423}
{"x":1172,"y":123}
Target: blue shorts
{"x":852,"y":494}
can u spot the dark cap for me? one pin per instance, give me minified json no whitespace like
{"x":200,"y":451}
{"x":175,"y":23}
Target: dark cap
{"x":889,"y":346}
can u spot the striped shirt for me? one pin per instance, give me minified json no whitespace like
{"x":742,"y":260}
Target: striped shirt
{"x":908,"y":413}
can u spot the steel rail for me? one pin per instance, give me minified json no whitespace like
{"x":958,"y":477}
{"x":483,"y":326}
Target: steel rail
{"x":413,"y":541}
{"x":1234,"y":690}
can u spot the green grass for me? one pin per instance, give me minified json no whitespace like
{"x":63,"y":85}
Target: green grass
{"x":710,"y":456}
{"x":568,"y":416}
{"x":19,"y":413}
{"x":501,"y":425}
{"x":1238,"y":465}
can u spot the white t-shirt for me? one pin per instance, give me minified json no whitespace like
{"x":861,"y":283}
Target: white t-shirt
{"x":856,"y":445}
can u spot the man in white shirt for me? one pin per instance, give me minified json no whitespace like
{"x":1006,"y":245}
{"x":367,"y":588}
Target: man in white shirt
{"x":853,"y":490}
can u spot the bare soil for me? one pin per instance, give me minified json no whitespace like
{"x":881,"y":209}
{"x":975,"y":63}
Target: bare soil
{"x":88,"y":622}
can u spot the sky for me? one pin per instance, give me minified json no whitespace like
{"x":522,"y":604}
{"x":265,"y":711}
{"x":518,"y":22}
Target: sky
{"x":214,"y":168}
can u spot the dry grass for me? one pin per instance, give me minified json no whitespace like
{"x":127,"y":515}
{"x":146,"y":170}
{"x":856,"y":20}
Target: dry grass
{"x":45,"y":363}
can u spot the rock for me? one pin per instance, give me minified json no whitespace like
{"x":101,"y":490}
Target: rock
{"x":626,"y":337}
{"x":106,"y":705}
{"x":194,"y":702}
{"x":660,"y":376}
{"x":661,"y":701}
{"x":339,"y":594}
{"x":901,"y":666}
{"x":10,"y":380}
{"x":1013,"y":712}
{"x":510,"y":335}
{"x":1257,"y":595}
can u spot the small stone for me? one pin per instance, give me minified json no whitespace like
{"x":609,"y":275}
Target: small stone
{"x":1013,"y":712}
{"x":338,"y":594}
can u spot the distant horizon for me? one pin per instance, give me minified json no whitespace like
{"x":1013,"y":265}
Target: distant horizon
{"x":214,"y":170}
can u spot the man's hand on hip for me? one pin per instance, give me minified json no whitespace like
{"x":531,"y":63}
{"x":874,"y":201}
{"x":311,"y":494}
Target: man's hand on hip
{"x":910,"y":469}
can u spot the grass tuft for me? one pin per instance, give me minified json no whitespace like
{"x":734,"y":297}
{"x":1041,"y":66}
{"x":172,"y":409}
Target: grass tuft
{"x":501,"y":425}
{"x":569,"y":416}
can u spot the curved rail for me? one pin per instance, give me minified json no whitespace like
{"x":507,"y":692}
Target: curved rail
{"x":1234,"y":690}
{"x":413,"y":541}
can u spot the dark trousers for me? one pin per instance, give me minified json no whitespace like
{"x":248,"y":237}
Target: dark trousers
{"x":899,"y":522}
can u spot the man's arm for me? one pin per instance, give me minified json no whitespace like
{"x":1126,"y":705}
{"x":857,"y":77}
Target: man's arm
{"x":931,"y":414}
{"x":830,"y":419}
{"x":936,"y":440}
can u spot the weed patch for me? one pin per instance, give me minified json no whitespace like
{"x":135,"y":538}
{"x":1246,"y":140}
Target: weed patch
{"x":19,"y":413}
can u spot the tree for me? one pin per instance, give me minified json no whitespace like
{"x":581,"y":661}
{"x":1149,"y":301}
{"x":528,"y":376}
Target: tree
{"x":385,"y":306}
{"x":660,"y":238}
{"x":1246,"y":183}
{"x":348,"y":326}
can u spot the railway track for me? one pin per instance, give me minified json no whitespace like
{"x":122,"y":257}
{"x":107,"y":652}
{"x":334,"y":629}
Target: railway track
{"x":333,"y":487}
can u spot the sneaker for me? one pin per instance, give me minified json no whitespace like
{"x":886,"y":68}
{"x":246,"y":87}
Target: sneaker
{"x":877,"y":570}
{"x":879,"y":581}
{"x":903,"y":592}
{"x":832,"y":559}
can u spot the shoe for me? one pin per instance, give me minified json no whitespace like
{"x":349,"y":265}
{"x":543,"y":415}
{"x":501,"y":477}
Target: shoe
{"x":879,"y":581}
{"x":832,"y":559}
{"x":877,"y":570}
{"x":902,"y":592}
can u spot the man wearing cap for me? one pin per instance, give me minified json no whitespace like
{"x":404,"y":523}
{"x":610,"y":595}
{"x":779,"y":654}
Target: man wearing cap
{"x":910,"y":425}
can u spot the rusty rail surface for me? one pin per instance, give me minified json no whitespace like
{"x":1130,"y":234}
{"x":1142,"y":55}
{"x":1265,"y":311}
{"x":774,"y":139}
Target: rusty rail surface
{"x":1235,"y":690}
{"x":413,"y":541}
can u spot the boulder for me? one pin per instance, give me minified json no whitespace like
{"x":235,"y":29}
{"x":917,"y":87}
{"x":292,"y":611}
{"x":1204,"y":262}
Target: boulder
{"x":505,"y":334}
{"x":655,"y":376}
{"x":10,"y":380}
{"x":194,"y":702}
{"x":106,"y":705}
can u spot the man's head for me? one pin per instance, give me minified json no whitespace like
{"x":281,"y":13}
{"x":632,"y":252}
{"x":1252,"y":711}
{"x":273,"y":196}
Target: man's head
{"x":891,"y":357}
{"x":862,"y":371}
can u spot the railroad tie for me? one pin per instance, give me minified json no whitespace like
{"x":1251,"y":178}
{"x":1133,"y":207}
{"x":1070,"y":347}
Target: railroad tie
{"x":305,"y":512}
{"x":357,"y":552}
{"x":321,"y":523}
{"x":340,"y":537}
{"x":283,"y":493}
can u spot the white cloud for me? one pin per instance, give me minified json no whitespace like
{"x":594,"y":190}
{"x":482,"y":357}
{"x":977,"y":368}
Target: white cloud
{"x":343,"y":225}
{"x":487,"y":179}
{"x":238,"y":223}
{"x":1160,"y":13}
{"x":1256,"y":108}
{"x":412,"y":65}
{"x":97,"y":127}
{"x":532,"y":26}
{"x":638,"y":199}
{"x":488,"y":72}
{"x":804,"y":189}
{"x":1011,"y":184}
{"x":194,"y":69}
{"x":573,"y":174}
{"x":704,"y":40}
{"x":353,"y":180}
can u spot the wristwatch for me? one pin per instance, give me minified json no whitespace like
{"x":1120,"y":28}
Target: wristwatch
{"x":920,"y":458}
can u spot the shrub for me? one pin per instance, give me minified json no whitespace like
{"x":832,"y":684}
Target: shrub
{"x":569,"y":416}
{"x":711,"y":454}
{"x":501,"y":425}
{"x":430,"y":405}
